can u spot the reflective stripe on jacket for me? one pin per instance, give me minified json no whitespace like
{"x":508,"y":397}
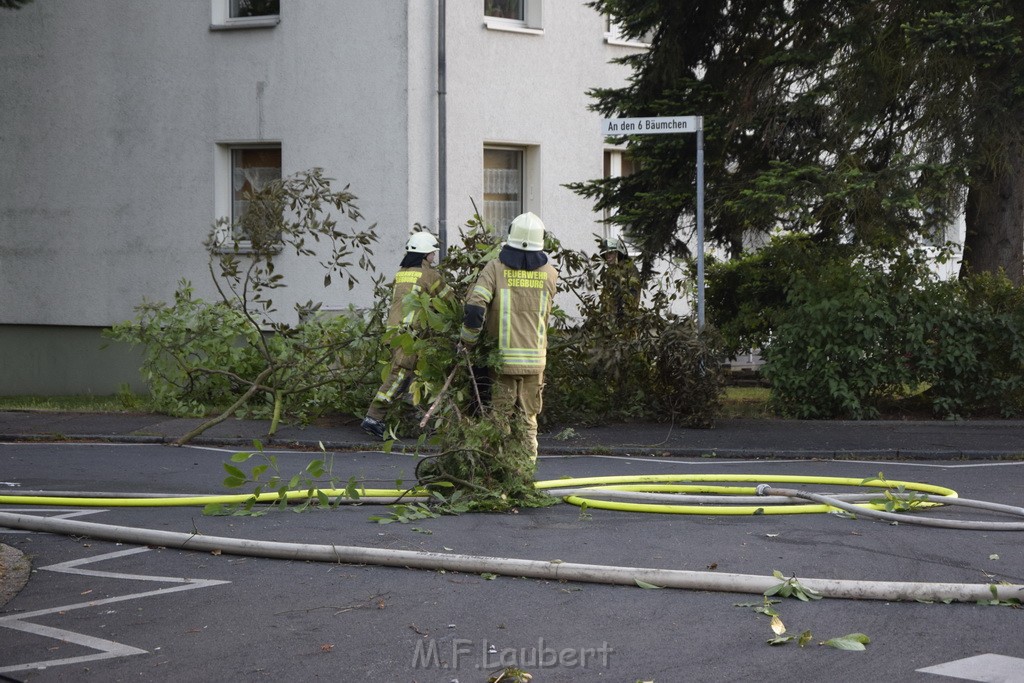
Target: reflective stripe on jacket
{"x":424,"y":278}
{"x":516,"y":306}
{"x":407,"y":281}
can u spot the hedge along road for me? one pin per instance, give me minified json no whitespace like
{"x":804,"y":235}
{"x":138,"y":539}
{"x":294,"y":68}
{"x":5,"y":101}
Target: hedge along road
{"x":275,"y":616}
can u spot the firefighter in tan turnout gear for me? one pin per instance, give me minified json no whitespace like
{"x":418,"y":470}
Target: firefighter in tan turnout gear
{"x":511,"y":302}
{"x":416,"y":274}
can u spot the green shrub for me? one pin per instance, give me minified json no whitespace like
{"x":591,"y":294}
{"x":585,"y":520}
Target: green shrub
{"x":745,"y":296}
{"x":201,"y":356}
{"x":840,"y":345}
{"x":687,"y":379}
{"x":974,"y":356}
{"x":639,"y":361}
{"x":196,"y":353}
{"x":636,"y":362}
{"x":329,"y":363}
{"x":861,"y":329}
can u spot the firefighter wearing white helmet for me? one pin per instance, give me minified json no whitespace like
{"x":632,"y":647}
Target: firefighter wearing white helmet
{"x":614,"y":247}
{"x":526,"y":233}
{"x":416,"y":274}
{"x":421,"y":242}
{"x":510,"y":303}
{"x":621,"y":286}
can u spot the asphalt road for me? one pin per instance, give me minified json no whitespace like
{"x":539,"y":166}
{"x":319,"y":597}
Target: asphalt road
{"x":101,"y":610}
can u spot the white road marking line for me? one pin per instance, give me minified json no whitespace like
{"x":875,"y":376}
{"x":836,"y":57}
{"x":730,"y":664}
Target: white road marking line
{"x":1016,"y":463}
{"x":221,"y":449}
{"x":108,"y":649}
{"x":77,"y":443}
{"x":66,"y":513}
{"x":789,"y":461}
{"x":987,"y":668}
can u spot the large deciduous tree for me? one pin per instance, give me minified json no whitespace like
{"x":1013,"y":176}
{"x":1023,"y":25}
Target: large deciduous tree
{"x":871,"y":121}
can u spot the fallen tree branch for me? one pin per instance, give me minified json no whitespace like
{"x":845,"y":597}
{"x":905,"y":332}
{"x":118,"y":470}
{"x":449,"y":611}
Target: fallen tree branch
{"x":223,"y":416}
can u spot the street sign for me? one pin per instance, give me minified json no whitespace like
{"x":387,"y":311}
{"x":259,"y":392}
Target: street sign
{"x":654,"y":125}
{"x":651,"y":125}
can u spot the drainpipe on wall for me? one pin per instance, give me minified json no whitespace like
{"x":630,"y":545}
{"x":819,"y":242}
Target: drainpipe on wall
{"x":442,"y":132}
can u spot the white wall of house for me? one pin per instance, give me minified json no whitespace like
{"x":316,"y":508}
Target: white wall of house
{"x":529,"y":90}
{"x":116,"y":114}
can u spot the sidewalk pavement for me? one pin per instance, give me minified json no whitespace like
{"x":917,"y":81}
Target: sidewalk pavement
{"x":733,"y":438}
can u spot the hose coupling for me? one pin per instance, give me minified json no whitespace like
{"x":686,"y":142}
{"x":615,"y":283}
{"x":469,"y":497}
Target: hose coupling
{"x":763,"y":489}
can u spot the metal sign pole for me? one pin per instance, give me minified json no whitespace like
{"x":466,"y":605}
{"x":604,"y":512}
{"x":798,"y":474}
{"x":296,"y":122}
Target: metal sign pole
{"x":700,"y":224}
{"x":673,"y":124}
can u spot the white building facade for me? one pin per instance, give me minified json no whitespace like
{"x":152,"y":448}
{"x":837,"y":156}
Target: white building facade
{"x":128,"y":127}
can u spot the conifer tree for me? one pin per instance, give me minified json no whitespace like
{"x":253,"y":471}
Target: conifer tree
{"x":865,"y":121}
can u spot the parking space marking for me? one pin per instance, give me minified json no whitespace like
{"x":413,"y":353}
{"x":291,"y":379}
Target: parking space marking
{"x":65,"y":513}
{"x":988,"y":668}
{"x":107,"y":649}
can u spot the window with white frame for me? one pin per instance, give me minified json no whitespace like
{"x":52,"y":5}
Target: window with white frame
{"x":505,"y":9}
{"x":613,"y":35}
{"x":228,"y":14}
{"x":240,"y":9}
{"x":243,"y":171}
{"x":503,"y":186}
{"x":523,"y":16}
{"x":617,"y":163}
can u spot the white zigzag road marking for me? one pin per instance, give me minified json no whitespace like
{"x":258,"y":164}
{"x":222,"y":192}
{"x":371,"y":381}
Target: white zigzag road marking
{"x":65,"y":514}
{"x":108,"y":649}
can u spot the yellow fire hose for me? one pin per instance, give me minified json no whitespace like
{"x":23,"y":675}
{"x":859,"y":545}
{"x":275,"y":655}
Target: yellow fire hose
{"x":583,"y":491}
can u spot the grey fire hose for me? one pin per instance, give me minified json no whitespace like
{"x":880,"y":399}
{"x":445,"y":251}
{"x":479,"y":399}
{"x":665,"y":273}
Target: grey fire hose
{"x":553,"y":570}
{"x":832,"y":501}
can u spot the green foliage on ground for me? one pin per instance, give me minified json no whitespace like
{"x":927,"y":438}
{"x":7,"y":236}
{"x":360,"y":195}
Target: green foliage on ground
{"x":643,"y":363}
{"x":272,"y":490}
{"x":476,"y":454}
{"x":973,"y":351}
{"x":487,"y":459}
{"x":193,"y":351}
{"x":639,"y":361}
{"x":239,"y":350}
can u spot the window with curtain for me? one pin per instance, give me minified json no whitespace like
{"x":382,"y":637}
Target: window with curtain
{"x":252,"y":169}
{"x":505,"y":9}
{"x":503,"y":186}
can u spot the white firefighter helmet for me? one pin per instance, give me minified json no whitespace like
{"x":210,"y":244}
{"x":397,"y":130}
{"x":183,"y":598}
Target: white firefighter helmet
{"x":526,"y":232}
{"x":421,"y":243}
{"x":614,"y":244}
